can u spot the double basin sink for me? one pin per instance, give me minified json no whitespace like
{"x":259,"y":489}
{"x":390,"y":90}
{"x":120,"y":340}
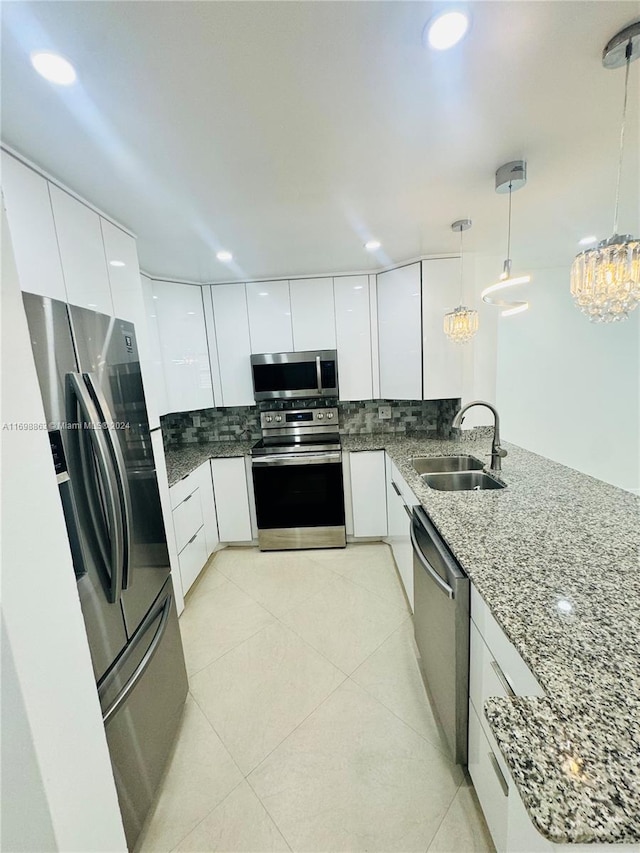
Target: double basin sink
{"x":455,"y":473}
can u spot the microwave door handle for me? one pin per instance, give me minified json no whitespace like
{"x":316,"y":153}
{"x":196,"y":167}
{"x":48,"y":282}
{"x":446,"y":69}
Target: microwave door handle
{"x":120,"y":472}
{"x":318,"y":374}
{"x":108,"y":479}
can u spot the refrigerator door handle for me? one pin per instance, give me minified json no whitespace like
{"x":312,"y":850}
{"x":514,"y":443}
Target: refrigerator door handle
{"x":105,"y":469}
{"x":120,"y":470}
{"x":164,"y":609}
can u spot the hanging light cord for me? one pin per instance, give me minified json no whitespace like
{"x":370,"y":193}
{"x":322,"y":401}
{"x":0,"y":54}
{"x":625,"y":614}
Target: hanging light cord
{"x":461,"y":269}
{"x":509,"y":227}
{"x":628,"y":53}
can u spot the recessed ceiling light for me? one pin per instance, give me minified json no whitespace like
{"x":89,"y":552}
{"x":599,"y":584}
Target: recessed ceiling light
{"x":587,"y":240}
{"x":224,"y":256}
{"x":54,"y":68}
{"x":263,"y":293}
{"x":358,"y":287}
{"x":372,"y":245}
{"x":446,"y":30}
{"x":117,"y":263}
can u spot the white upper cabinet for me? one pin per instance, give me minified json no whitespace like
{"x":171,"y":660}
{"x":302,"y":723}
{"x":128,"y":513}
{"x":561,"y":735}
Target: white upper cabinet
{"x":313,"y":315}
{"x":234,"y":345}
{"x":442,"y":357}
{"x":399,"y":333}
{"x":82,"y":252}
{"x":183,"y":341}
{"x":158,"y":387}
{"x":212,"y":341}
{"x":269,"y":316}
{"x":33,"y":233}
{"x":123,"y":271}
{"x":353,"y":337}
{"x":128,"y":304}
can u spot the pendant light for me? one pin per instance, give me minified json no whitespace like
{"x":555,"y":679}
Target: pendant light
{"x":605,"y":280}
{"x":461,"y":324}
{"x":509,"y":178}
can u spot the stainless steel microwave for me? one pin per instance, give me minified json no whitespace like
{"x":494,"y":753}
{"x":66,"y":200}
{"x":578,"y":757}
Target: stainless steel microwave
{"x":294,"y":375}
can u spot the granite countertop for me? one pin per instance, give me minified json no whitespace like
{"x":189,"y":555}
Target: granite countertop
{"x":185,"y":459}
{"x":553,"y":535}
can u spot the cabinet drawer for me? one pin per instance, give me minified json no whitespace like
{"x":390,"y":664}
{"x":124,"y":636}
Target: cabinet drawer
{"x":492,"y":786}
{"x":405,"y":492}
{"x":180,"y":490}
{"x":192,"y":559}
{"x":187,"y":519}
{"x":517,"y":674}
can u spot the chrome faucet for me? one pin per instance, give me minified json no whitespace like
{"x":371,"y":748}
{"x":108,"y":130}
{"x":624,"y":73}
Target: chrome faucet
{"x":497,"y":453}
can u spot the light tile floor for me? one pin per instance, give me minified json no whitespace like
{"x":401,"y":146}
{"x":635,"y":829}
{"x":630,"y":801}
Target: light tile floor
{"x":307,"y":726}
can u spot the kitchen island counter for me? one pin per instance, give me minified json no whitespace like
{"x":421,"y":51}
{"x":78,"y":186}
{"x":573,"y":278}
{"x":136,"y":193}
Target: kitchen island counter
{"x":555,"y":556}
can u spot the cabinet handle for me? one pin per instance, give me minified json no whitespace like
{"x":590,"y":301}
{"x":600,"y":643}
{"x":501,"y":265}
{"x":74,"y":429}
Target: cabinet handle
{"x":188,"y":498}
{"x":408,"y":511}
{"x":396,"y":489}
{"x":499,"y":774}
{"x":502,"y":678}
{"x":193,"y":538}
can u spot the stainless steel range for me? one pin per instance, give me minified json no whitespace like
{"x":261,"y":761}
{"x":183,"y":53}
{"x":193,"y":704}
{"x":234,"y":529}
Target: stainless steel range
{"x":297,"y":477}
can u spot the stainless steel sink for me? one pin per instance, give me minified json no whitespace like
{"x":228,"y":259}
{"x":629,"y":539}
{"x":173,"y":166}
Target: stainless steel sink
{"x":460,"y":481}
{"x":441,"y":464}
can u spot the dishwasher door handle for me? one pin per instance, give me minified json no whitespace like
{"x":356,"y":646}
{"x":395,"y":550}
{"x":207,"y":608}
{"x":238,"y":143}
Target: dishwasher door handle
{"x":442,"y":584}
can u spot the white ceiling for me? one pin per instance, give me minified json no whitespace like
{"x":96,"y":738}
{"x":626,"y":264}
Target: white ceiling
{"x":290,"y":132}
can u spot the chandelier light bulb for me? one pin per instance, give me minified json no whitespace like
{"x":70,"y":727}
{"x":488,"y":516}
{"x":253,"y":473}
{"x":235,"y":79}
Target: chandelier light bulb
{"x":461,"y":324}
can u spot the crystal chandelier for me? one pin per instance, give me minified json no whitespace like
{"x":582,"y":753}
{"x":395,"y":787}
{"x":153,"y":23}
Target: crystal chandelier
{"x":605,"y":280}
{"x":461,"y":324}
{"x":510,"y":177}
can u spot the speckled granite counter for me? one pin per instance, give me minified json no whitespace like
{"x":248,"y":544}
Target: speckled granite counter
{"x":188,"y":457}
{"x":554,"y":534}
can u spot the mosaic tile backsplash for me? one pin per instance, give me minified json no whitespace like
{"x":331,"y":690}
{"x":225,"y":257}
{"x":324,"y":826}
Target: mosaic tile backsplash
{"x":358,"y":418}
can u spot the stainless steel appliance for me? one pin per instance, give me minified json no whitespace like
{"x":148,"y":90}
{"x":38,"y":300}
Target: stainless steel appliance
{"x":89,"y":374}
{"x":441,"y":624}
{"x":295,"y":375}
{"x":297,"y":478}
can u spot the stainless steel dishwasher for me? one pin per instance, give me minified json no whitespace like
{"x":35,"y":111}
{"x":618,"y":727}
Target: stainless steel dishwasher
{"x":441,"y":624}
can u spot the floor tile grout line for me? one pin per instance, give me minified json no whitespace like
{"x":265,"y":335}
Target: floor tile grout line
{"x":275,"y":823}
{"x":237,"y":646}
{"x":444,"y":817}
{"x":193,"y":828}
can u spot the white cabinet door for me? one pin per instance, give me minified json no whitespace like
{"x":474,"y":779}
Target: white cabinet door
{"x":128,"y":303}
{"x":353,"y":337}
{"x":400,"y":338}
{"x":82,"y":253}
{"x":232,"y":499}
{"x":312,"y":312}
{"x":192,"y":559}
{"x":442,"y":357}
{"x":212,"y":342}
{"x":399,"y":522}
{"x":33,"y":233}
{"x":167,"y":515}
{"x":489,"y":780}
{"x":269,"y":316}
{"x":157,"y":388}
{"x":183,"y":340}
{"x":234,"y":345}
{"x":208,"y":502}
{"x":368,"y":493}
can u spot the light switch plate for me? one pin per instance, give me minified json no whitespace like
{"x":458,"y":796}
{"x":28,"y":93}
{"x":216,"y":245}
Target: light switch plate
{"x":384,"y":412}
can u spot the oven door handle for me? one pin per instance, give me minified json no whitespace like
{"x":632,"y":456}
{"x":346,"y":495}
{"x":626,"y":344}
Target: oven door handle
{"x":299,"y":459}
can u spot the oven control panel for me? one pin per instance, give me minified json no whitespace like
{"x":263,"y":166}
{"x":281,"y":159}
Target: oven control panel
{"x":284,"y":418}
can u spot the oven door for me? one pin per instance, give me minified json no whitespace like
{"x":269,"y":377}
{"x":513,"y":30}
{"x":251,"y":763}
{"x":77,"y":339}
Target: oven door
{"x":294,"y":375}
{"x":299,"y":501}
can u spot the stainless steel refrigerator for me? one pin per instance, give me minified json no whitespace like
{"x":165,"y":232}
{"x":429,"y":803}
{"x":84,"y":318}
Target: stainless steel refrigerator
{"x":91,"y":385}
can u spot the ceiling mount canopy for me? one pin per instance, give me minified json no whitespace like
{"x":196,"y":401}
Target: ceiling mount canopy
{"x":605,"y":280}
{"x":509,"y":178}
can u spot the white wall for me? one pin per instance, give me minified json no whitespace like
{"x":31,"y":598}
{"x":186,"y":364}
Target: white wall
{"x":64,"y":796}
{"x":569,"y":389}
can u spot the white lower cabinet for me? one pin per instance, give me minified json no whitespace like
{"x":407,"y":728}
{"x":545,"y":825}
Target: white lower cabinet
{"x":167,"y":515}
{"x":195,"y":525}
{"x":232,"y":499}
{"x":192,"y":558}
{"x":489,"y":780}
{"x":368,"y":493}
{"x":399,"y":523}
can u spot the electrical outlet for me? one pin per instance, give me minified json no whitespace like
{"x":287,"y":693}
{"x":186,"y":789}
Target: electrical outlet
{"x":384,"y":412}
{"x":195,"y":420}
